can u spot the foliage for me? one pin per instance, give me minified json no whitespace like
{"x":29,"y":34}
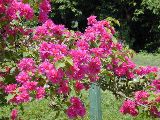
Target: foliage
{"x":152,"y":5}
{"x":48,"y":60}
{"x":73,"y":13}
{"x":139,"y":18}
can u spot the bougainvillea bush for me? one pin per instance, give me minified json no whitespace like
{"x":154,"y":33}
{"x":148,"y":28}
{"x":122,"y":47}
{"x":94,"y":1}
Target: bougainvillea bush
{"x":40,"y":59}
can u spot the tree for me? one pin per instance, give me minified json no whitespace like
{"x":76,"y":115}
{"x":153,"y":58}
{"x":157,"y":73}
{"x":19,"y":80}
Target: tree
{"x":139,"y":19}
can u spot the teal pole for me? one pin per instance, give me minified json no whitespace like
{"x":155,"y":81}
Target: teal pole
{"x":95,"y":102}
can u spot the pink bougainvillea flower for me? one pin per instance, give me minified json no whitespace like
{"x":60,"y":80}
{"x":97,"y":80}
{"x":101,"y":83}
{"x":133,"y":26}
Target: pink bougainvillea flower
{"x":79,"y":86}
{"x":76,"y":109}
{"x":14,"y":114}
{"x":129,"y":107}
{"x":40,"y":93}
{"x":141,"y":97}
{"x":10,"y":88}
{"x":23,"y":77}
{"x":91,"y":20}
{"x":27,"y":64}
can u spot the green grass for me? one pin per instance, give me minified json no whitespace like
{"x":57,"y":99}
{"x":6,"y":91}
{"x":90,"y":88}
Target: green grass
{"x":147,"y":59}
{"x":110,"y":106}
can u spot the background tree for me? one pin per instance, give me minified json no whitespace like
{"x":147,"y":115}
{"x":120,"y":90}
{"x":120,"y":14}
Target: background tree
{"x":140,"y":19}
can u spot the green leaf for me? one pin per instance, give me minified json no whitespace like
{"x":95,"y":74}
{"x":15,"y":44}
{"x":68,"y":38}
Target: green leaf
{"x":27,"y":54}
{"x":114,"y":39}
{"x":69,"y":60}
{"x":131,"y":82}
{"x":12,"y":70}
{"x":3,"y":70}
{"x":9,"y":97}
{"x":151,"y":97}
{"x":113,"y":20}
{"x":149,"y":87}
{"x":60,"y":64}
{"x":142,"y":80}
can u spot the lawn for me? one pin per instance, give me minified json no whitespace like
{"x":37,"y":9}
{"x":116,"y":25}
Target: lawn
{"x":110,"y":106}
{"x":147,"y":59}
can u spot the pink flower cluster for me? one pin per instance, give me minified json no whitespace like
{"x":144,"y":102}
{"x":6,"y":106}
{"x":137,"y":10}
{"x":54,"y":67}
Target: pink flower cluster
{"x":15,"y":7}
{"x":14,"y":114}
{"x":141,"y":97}
{"x":122,"y":68}
{"x":64,"y":88}
{"x":13,"y":30}
{"x":14,"y":12}
{"x":47,"y":68}
{"x":144,"y":99}
{"x":86,"y":58}
{"x":10,"y":88}
{"x":50,"y":50}
{"x":127,"y":68}
{"x":146,"y":70}
{"x":48,"y":29}
{"x":89,"y":49}
{"x":156,"y":84}
{"x":56,"y":77}
{"x":91,"y":20}
{"x":25,"y":85}
{"x":23,"y":77}
{"x":76,"y":108}
{"x":129,"y":107}
{"x":86,"y":53}
{"x":79,"y":86}
{"x":2,"y":7}
{"x":27,"y":65}
{"x":45,"y":8}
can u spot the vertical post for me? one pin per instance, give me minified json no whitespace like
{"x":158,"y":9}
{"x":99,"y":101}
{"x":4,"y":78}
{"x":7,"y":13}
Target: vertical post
{"x":95,"y":103}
